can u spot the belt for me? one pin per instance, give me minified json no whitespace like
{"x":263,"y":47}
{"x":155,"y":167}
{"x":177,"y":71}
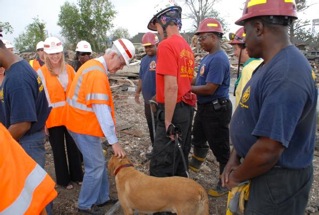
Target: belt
{"x":219,"y":100}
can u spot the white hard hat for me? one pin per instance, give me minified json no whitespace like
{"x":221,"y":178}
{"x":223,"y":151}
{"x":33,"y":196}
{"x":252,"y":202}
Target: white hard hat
{"x":40,"y":45}
{"x":126,"y":49}
{"x":52,"y":45}
{"x":8,"y":44}
{"x":83,"y":46}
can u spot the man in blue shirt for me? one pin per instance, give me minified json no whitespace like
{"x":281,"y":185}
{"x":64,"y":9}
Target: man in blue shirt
{"x":273,"y":127}
{"x":214,"y":108}
{"x":146,"y":82}
{"x":25,"y":105}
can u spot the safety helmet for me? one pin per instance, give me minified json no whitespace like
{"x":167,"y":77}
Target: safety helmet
{"x":8,"y":44}
{"x":40,"y":45}
{"x":149,"y":39}
{"x":126,"y":48}
{"x":166,"y":11}
{"x":237,"y":38}
{"x":52,"y":45}
{"x":209,"y":25}
{"x":285,"y":8}
{"x":83,"y":46}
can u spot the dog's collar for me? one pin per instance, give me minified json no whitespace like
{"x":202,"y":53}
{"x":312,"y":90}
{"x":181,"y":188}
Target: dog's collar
{"x":120,"y":167}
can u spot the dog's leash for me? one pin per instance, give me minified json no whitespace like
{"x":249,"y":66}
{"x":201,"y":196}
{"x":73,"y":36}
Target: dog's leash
{"x":154,"y":155}
{"x":176,"y":133}
{"x":182,"y":154}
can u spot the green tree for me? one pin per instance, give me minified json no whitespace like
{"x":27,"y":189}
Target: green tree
{"x":201,"y":9}
{"x":300,"y":28}
{"x":6,"y":27}
{"x":34,"y":33}
{"x":120,"y":33}
{"x":88,"y":20}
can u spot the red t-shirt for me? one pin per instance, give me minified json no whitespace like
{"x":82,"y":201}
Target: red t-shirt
{"x":175,"y":58}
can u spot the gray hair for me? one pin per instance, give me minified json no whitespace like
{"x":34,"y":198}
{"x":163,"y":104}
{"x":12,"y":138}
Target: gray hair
{"x":113,"y":49}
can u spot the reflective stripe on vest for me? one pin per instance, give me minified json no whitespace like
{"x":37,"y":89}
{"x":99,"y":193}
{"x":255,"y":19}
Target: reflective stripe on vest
{"x":73,"y":101}
{"x":55,"y":104}
{"x":40,"y":73}
{"x":22,"y":203}
{"x":97,"y":96}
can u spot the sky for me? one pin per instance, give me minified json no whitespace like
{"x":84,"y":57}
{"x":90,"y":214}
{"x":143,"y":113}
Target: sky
{"x":131,"y":14}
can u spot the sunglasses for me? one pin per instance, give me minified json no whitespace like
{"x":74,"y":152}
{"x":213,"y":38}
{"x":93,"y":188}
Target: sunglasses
{"x":85,"y":53}
{"x":39,"y":50}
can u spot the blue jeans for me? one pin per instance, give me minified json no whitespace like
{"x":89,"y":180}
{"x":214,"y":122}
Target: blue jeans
{"x":33,"y":145}
{"x":95,"y":186}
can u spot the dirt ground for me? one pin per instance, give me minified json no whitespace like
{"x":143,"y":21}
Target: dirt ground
{"x":134,"y":137}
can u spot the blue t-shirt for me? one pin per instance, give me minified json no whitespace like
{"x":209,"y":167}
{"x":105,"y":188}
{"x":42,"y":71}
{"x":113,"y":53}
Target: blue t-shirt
{"x":214,"y":68}
{"x":279,"y":102}
{"x":147,"y":74}
{"x":24,"y":97}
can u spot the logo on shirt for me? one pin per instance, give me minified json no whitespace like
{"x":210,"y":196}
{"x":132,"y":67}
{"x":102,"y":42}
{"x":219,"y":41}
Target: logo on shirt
{"x":152,"y":66}
{"x":202,"y":70}
{"x":40,"y":85}
{"x":1,"y":94}
{"x":245,"y":97}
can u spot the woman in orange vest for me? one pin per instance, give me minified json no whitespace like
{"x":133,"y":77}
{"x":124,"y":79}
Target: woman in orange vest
{"x":56,"y":77}
{"x":25,"y":187}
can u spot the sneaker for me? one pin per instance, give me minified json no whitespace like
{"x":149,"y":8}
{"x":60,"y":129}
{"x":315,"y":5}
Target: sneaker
{"x":94,"y":210}
{"x":218,"y":191}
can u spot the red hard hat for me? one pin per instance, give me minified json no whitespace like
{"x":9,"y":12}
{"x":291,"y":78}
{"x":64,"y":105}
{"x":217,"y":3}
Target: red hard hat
{"x":238,"y":37}
{"x":254,"y":8}
{"x":149,"y":39}
{"x":209,"y":25}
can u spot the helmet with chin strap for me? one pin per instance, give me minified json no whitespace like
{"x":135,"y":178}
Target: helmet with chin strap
{"x":166,"y":12}
{"x":238,"y":37}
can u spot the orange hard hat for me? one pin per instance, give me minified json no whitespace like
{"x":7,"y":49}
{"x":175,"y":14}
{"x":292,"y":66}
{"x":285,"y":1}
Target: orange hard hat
{"x":149,"y":39}
{"x":255,"y":8}
{"x":209,"y":25}
{"x":238,"y":37}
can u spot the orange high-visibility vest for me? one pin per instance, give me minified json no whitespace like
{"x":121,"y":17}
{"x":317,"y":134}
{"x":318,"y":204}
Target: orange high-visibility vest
{"x":55,"y":94}
{"x":35,"y":64}
{"x":89,"y":86}
{"x":24,"y":186}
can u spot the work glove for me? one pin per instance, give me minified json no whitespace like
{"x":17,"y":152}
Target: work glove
{"x":237,"y":197}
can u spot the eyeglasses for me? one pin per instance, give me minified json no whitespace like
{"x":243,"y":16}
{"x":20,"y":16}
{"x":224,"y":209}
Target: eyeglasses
{"x":39,"y":50}
{"x":85,"y":53}
{"x":203,"y":37}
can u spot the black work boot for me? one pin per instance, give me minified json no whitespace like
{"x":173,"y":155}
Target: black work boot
{"x":199,"y":156}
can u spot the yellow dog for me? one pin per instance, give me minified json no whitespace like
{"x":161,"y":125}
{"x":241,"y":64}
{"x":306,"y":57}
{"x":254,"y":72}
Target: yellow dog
{"x":148,"y":194}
